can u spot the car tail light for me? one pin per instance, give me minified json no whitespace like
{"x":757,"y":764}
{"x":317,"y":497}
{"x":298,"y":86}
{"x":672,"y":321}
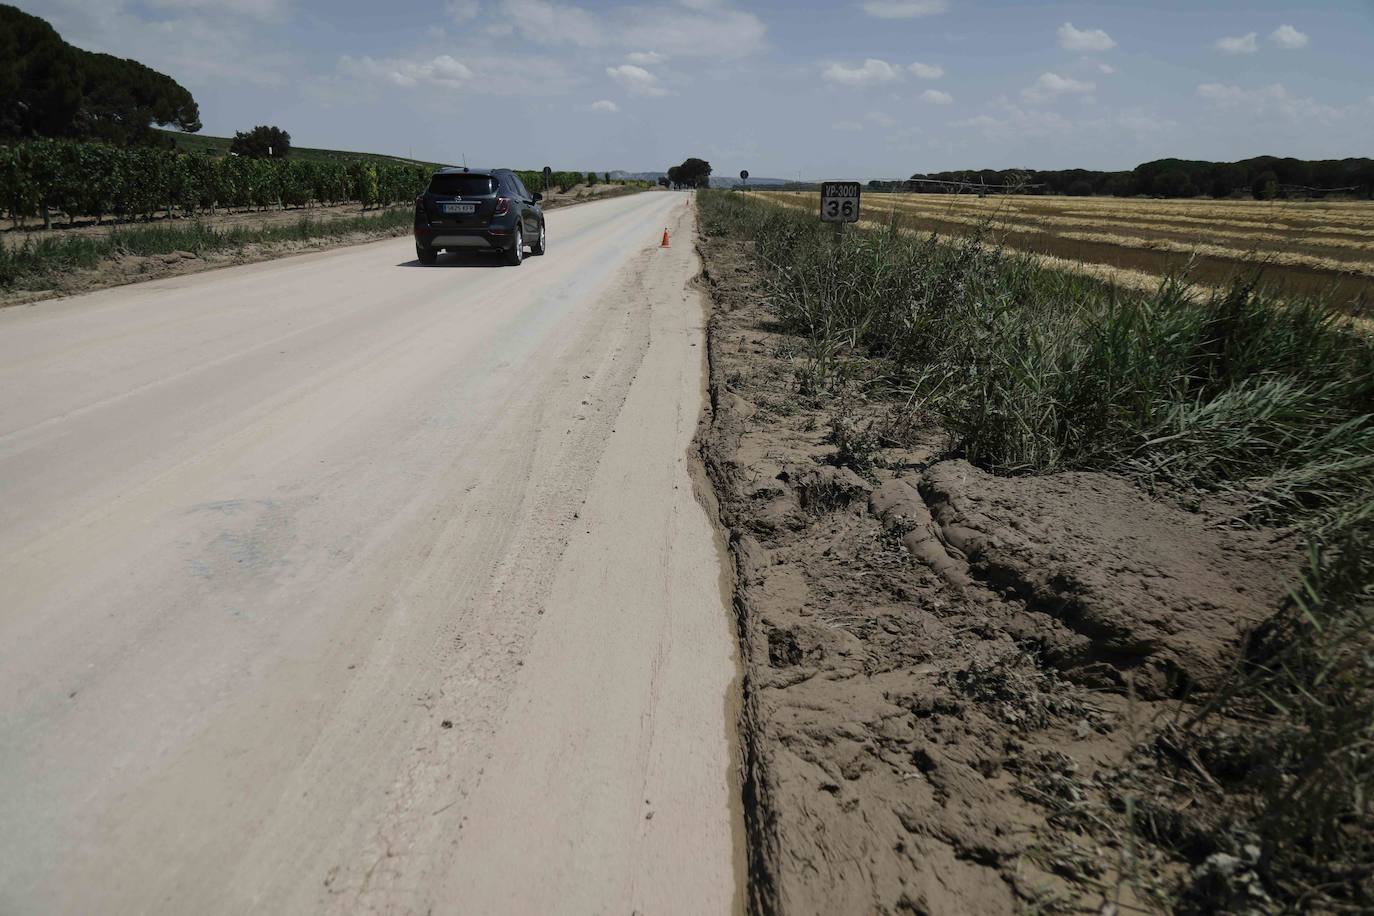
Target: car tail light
{"x":502,"y":206}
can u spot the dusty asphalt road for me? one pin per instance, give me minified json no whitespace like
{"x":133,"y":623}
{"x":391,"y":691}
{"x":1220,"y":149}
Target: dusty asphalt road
{"x":338,"y":584}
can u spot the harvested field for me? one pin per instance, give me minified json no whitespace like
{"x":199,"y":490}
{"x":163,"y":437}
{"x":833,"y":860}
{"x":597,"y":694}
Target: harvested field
{"x":1306,"y":248}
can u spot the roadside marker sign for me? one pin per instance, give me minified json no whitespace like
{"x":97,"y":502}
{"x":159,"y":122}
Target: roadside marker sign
{"x":839,"y":201}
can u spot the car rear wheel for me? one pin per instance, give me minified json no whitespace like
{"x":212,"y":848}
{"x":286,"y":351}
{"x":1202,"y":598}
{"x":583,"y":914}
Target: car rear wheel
{"x":515,"y":255}
{"x":541,"y":245}
{"x":425,"y":254}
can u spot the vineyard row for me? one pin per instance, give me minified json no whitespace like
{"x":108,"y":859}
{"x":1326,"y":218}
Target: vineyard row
{"x":40,"y":177}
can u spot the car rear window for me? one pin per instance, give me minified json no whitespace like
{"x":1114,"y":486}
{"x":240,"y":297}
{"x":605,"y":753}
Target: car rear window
{"x":462,"y":185}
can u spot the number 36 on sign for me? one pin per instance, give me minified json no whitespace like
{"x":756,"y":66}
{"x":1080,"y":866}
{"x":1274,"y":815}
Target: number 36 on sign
{"x":839,"y":201}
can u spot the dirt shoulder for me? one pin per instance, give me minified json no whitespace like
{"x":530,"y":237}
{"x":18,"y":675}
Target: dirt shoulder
{"x":949,"y":675}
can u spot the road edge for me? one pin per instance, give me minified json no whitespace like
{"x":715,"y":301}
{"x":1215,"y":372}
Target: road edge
{"x":719,"y":425}
{"x":183,"y":263}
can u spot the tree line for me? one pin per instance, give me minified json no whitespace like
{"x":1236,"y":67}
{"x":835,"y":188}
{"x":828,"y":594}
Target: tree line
{"x":1262,"y":177}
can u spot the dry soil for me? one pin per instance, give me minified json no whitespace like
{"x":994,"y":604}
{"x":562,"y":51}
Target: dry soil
{"x":944,"y":669}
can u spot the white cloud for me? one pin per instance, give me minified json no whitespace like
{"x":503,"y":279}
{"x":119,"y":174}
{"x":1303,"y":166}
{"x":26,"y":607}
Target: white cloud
{"x":685,"y":28}
{"x":1275,"y":101}
{"x":872,"y":72}
{"x":521,"y":76}
{"x":690,"y":28}
{"x":880,"y":118}
{"x":636,"y":80}
{"x":356,"y":77}
{"x":1050,"y":85}
{"x":978,"y":121}
{"x":605,"y":105}
{"x":1017,"y":124}
{"x":1143,"y":122}
{"x":553,"y":23}
{"x":1220,"y":93}
{"x":847,"y":126}
{"x":442,"y":71}
{"x":1288,"y":38}
{"x":1074,"y":39}
{"x":645,"y":58}
{"x":904,"y":9}
{"x":267,"y":10}
{"x":936,"y":97}
{"x":462,"y":10}
{"x":1106,"y":69}
{"x":1239,"y":44}
{"x":197,"y":42}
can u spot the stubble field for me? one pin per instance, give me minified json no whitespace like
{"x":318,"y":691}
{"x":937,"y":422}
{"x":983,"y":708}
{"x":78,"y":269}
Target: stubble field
{"x":1306,"y":247}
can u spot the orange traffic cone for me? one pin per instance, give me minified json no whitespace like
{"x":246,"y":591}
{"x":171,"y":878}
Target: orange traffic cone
{"x":665,"y":240}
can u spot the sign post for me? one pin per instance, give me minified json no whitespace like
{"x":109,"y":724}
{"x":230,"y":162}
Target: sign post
{"x":839,"y":204}
{"x":744,"y":177}
{"x":839,"y":201}
{"x":548,"y":177}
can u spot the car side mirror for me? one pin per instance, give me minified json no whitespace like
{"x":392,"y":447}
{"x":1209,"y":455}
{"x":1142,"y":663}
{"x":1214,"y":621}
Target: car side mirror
{"x":537,"y":197}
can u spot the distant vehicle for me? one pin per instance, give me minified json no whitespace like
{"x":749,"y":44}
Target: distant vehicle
{"x":478,"y":209}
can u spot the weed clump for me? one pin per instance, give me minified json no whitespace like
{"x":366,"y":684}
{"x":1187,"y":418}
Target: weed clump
{"x":1034,"y":370}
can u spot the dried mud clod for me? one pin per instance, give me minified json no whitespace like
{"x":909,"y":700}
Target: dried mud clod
{"x":1137,"y":591}
{"x":947,"y":673}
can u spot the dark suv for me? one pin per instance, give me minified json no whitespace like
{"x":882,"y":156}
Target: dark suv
{"x":487,"y":209}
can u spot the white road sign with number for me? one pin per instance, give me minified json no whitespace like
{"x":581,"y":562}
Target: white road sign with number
{"x":840,"y":201}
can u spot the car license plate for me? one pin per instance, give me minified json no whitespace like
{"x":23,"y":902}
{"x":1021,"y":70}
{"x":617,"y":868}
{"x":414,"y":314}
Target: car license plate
{"x":460,"y":208}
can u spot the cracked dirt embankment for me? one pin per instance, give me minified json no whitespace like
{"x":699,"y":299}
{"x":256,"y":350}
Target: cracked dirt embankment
{"x":942,"y":667}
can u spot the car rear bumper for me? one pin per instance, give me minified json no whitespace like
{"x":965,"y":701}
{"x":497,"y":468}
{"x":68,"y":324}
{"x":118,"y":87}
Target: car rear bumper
{"x":454,"y":238}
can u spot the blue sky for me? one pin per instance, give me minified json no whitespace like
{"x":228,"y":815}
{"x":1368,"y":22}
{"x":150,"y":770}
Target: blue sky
{"x":864,"y":89}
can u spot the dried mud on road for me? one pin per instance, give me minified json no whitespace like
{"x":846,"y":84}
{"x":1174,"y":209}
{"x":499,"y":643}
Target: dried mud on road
{"x":948,"y":675}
